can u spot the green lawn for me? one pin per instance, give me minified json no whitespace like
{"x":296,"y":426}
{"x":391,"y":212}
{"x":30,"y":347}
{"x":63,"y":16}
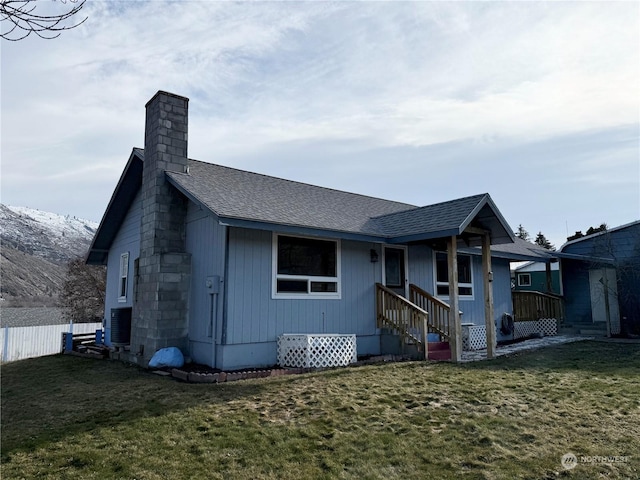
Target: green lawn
{"x":69,"y":417}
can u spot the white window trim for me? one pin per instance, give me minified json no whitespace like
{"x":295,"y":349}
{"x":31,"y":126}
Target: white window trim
{"x":522,"y":275}
{"x":436,"y":283}
{"x":311,"y":295}
{"x":123,"y":276}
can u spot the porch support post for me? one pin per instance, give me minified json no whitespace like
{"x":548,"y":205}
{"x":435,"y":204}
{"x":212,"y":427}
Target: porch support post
{"x":454,"y":316}
{"x":487,"y":275}
{"x":549,"y":278}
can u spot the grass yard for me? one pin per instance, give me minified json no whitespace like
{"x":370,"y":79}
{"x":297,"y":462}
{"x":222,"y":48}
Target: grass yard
{"x":69,"y":417}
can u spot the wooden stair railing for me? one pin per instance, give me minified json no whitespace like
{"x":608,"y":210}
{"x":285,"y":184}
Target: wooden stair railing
{"x":397,"y":313}
{"x":439,"y":311}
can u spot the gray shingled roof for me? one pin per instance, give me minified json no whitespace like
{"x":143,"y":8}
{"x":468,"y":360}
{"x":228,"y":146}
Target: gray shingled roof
{"x":237,"y":194}
{"x":242,"y":198}
{"x":441,"y":217}
{"x":523,"y":250}
{"x":233,"y":193}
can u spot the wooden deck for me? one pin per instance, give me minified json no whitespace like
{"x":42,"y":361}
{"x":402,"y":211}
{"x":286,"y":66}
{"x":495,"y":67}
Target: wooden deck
{"x":536,"y":305}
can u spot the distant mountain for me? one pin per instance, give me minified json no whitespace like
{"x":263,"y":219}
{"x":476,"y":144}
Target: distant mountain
{"x":36,"y":247}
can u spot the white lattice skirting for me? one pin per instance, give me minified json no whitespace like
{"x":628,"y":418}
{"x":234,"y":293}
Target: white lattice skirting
{"x":316,"y":350}
{"x":474,"y":337}
{"x":546,"y":326}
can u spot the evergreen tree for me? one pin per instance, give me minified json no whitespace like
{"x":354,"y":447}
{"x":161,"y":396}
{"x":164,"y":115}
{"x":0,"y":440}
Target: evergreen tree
{"x":543,"y":242}
{"x":601,"y":228}
{"x":575,"y":236}
{"x":522,"y":233}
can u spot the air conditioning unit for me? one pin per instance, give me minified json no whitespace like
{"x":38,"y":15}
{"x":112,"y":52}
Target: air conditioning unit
{"x":120,"y":326}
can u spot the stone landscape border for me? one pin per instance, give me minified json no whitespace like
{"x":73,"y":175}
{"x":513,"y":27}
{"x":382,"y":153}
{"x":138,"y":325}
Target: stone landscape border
{"x":223,"y":377}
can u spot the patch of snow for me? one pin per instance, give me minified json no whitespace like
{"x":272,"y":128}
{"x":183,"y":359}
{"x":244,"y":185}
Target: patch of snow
{"x":46,"y":234}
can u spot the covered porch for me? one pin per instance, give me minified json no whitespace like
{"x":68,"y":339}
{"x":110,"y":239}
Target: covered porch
{"x":418,"y":316}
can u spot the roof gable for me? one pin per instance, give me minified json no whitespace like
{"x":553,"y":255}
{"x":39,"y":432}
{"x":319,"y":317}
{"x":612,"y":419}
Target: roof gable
{"x":122,"y":197}
{"x":446,"y":219}
{"x":252,"y":200}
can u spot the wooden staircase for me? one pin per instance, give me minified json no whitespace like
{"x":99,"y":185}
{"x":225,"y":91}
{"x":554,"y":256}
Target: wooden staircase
{"x":413,"y":320}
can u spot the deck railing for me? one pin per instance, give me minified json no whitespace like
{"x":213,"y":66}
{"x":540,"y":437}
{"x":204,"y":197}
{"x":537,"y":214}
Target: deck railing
{"x":529,"y":306}
{"x":439,"y":311}
{"x":397,"y":313}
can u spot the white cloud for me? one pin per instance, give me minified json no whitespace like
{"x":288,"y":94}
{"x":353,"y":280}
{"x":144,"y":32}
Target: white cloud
{"x":457,"y":81}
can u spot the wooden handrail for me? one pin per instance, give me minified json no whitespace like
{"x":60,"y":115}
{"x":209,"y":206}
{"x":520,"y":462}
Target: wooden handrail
{"x":401,"y":299}
{"x":439,"y":311}
{"x":408,"y":320}
{"x":529,"y":305}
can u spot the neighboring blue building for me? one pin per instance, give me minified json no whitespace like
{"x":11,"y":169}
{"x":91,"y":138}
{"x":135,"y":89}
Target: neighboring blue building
{"x":601,"y":279}
{"x":219,"y":262}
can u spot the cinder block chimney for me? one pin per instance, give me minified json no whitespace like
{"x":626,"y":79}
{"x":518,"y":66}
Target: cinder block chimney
{"x":160,"y":311}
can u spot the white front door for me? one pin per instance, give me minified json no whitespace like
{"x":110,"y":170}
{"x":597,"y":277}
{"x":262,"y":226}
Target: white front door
{"x":601,"y":282}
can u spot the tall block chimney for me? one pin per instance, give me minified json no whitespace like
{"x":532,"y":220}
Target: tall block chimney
{"x":160,"y":311}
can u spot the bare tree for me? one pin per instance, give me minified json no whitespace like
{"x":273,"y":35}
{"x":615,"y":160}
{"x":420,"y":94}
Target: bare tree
{"x":82,"y":297}
{"x":21,"y":19}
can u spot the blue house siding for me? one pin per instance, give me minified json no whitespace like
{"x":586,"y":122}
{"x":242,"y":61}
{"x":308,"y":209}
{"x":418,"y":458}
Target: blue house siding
{"x":253,"y":317}
{"x":126,"y":240}
{"x":205,"y":241}
{"x":576,"y":292}
{"x":623,"y":245}
{"x":421,"y":271}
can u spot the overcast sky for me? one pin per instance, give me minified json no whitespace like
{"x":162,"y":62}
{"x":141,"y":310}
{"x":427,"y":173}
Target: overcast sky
{"x":537,"y":104}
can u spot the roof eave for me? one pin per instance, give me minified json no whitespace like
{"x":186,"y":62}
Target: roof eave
{"x":586,"y":258}
{"x":425,"y":236}
{"x":300,"y":230}
{"x":117,"y":208}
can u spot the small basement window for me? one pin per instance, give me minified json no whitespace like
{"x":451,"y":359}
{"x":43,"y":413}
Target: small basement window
{"x":465,"y":276}
{"x":305,"y":267}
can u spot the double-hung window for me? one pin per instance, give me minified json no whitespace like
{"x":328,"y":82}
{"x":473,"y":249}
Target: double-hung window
{"x":465,"y":275}
{"x":123,"y":278}
{"x":305,"y":267}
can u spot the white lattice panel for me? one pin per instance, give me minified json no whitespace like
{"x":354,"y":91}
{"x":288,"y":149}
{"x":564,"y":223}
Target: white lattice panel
{"x":316,"y":350}
{"x":474,"y":337}
{"x":546,"y":326}
{"x":477,"y":337}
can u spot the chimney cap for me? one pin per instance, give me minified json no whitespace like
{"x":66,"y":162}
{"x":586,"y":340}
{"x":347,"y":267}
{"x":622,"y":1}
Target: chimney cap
{"x":169,"y":94}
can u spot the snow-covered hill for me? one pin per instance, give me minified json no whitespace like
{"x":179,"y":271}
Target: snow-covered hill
{"x":36,"y":247}
{"x":57,"y":238}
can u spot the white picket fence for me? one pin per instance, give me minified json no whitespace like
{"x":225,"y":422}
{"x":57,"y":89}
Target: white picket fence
{"x":18,"y":343}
